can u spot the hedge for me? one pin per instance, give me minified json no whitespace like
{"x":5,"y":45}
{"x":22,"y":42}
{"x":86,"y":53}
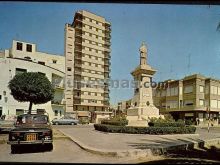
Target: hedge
{"x":118,"y":123}
{"x":166,"y":124}
{"x":145,"y":130}
{"x":115,"y":121}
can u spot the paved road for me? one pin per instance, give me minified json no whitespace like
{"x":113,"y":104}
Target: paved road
{"x":117,"y":141}
{"x":65,"y":151}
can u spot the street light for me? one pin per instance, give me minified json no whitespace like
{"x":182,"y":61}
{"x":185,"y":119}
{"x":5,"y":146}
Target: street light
{"x":208,"y":112}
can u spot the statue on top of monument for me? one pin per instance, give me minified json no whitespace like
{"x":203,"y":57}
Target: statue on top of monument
{"x":143,"y":54}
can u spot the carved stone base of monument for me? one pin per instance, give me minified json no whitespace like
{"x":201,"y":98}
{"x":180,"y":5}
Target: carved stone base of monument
{"x":139,"y":116}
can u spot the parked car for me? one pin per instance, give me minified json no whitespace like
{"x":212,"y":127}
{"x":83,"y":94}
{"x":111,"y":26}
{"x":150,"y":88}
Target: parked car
{"x":65,"y":121}
{"x":31,"y":129}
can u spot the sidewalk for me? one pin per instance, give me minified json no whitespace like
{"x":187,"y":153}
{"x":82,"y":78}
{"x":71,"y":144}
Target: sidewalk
{"x":117,"y":144}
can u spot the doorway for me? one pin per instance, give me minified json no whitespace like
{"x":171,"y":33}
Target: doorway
{"x":0,"y":111}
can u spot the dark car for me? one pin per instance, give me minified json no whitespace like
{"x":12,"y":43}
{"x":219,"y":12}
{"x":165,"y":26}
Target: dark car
{"x":31,"y":129}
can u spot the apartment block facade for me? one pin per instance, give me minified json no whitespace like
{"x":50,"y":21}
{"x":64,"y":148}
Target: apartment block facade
{"x":24,"y":57}
{"x":87,"y":52}
{"x":191,"y":98}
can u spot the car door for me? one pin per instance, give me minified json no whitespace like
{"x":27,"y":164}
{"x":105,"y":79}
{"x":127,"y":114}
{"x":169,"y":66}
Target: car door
{"x":62,"y":121}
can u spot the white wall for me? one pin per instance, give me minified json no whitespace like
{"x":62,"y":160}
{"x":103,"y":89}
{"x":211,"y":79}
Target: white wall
{"x":8,"y":67}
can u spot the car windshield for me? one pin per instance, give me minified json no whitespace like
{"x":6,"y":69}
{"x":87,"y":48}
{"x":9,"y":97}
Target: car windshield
{"x":36,"y":119}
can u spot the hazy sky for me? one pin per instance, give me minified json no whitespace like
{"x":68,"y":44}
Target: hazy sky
{"x":173,"y":33}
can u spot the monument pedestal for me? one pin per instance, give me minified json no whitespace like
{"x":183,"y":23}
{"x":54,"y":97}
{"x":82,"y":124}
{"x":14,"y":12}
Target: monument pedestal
{"x":140,"y":116}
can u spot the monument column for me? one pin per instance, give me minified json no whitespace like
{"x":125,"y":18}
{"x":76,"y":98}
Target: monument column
{"x":142,"y":99}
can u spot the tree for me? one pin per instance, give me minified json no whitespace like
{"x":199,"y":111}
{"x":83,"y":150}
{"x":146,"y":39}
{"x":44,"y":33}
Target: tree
{"x":31,"y":87}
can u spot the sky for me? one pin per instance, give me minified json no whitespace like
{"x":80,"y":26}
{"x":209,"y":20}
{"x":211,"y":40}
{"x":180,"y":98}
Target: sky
{"x":181,"y":39}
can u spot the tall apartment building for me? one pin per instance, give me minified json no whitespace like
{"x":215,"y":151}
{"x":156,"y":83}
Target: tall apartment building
{"x":193,"y":97}
{"x":87,"y":52}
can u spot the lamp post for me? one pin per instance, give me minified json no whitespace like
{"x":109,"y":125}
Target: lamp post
{"x":208,"y":112}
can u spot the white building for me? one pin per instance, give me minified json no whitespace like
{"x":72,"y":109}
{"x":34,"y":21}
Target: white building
{"x":24,"y":57}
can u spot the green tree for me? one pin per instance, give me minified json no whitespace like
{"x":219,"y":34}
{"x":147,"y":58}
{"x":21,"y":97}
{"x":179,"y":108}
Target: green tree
{"x":31,"y":87}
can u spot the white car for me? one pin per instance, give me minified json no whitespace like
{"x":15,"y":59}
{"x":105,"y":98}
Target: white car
{"x":65,"y":121}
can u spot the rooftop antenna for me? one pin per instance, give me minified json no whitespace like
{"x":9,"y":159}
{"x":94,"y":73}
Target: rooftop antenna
{"x":171,"y":70}
{"x":189,"y":64}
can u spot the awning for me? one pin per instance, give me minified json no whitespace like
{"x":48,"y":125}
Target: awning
{"x":83,"y":113}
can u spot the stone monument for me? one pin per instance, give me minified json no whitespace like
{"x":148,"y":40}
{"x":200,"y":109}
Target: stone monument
{"x":142,"y":107}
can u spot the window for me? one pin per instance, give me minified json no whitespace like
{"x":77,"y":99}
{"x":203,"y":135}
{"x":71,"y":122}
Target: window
{"x":201,"y":102}
{"x":19,"y":71}
{"x":218,"y":90}
{"x":188,"y":89}
{"x":19,"y":46}
{"x":172,"y":104}
{"x":40,"y":62}
{"x":201,"y":89}
{"x":40,"y":111}
{"x":218,"y":103}
{"x":163,"y":93}
{"x":214,"y":104}
{"x":54,"y":61}
{"x":168,"y":91}
{"x":0,"y":97}
{"x":214,"y":90}
{"x":188,"y":102}
{"x":29,"y":48}
{"x":69,"y":69}
{"x":19,"y":112}
{"x":55,"y":112}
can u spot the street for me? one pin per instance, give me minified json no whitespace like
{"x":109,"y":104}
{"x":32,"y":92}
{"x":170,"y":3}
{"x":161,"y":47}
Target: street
{"x":64,"y":151}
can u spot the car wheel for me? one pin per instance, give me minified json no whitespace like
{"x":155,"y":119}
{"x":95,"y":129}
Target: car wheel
{"x":50,"y":147}
{"x":57,"y":123}
{"x":13,"y":149}
{"x":72,"y":123}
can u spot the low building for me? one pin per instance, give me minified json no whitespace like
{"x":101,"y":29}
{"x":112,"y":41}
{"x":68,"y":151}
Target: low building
{"x":123,"y":106}
{"x":194,"y":97}
{"x":24,"y":57}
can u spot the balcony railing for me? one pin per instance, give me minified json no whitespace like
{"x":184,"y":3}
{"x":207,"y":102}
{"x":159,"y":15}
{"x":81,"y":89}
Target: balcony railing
{"x":78,"y":72}
{"x":78,"y":65}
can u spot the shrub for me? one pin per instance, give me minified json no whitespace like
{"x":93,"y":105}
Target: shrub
{"x":119,"y":121}
{"x":169,"y":117}
{"x":145,"y":130}
{"x":169,"y":124}
{"x":189,"y":122}
{"x":154,"y":122}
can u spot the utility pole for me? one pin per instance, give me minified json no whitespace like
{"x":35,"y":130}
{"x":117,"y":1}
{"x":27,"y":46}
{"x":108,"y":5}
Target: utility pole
{"x":189,"y":65}
{"x":208,"y":112}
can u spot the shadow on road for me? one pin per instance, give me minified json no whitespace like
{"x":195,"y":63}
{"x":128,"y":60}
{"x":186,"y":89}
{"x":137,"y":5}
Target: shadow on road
{"x":29,"y":149}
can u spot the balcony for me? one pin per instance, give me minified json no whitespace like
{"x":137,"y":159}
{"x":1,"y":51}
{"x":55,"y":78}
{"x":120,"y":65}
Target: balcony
{"x":78,"y":57}
{"x":77,"y":72}
{"x":78,"y":65}
{"x":107,"y":35}
{"x":77,"y":96}
{"x":107,"y":43}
